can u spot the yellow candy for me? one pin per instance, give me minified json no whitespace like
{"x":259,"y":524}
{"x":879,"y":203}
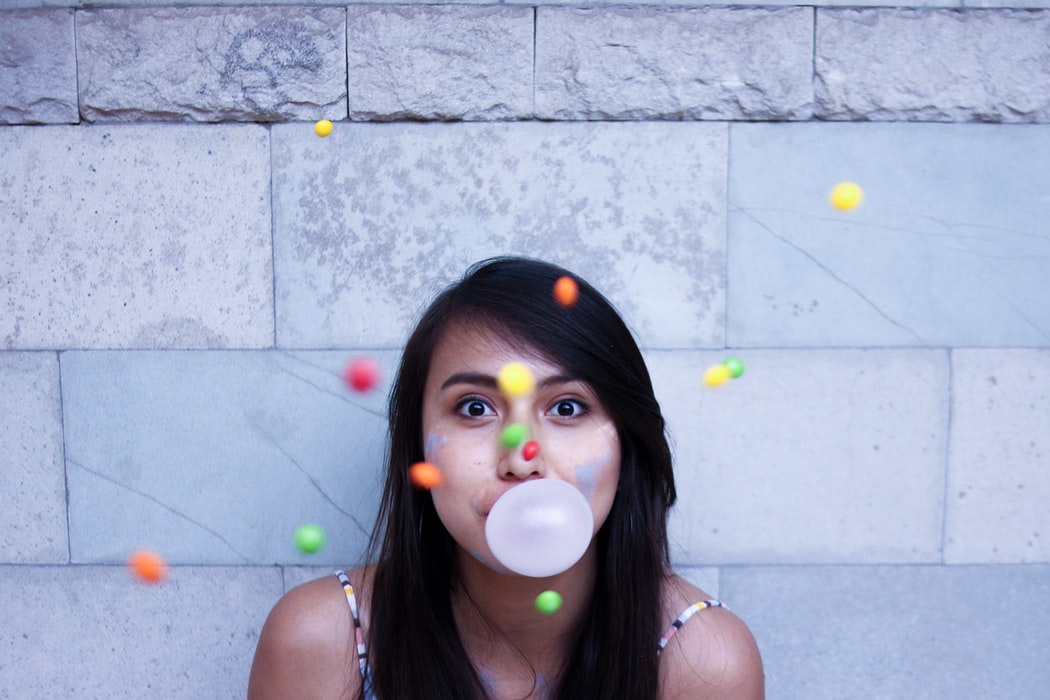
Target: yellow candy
{"x":515,"y":379}
{"x":716,"y":375}
{"x":323,"y":128}
{"x":846,"y":195}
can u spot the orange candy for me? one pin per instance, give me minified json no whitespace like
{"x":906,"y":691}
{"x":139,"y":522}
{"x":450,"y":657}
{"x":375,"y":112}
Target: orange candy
{"x":566,"y":291}
{"x":147,"y":566}
{"x":425,"y":475}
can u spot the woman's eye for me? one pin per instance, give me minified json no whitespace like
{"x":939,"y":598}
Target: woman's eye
{"x":475,"y":408}
{"x":568,"y":408}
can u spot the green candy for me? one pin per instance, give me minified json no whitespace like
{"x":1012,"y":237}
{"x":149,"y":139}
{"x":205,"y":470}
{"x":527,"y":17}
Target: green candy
{"x":513,"y":435}
{"x":548,"y":602}
{"x":735,"y":366}
{"x":309,"y":538}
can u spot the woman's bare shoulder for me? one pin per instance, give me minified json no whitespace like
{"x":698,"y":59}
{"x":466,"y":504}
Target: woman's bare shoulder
{"x":306,"y":648}
{"x":713,"y":655}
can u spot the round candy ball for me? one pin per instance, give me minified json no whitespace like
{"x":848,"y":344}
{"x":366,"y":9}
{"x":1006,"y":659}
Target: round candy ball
{"x":548,"y":602}
{"x":515,"y":380}
{"x":323,"y":128}
{"x":147,"y":566}
{"x":309,"y":538}
{"x":529,"y":450}
{"x":846,"y":195}
{"x":566,"y":291}
{"x":716,"y":375}
{"x":425,"y":475}
{"x":734,"y":365}
{"x":362,"y":374}
{"x":513,"y":435}
{"x":540,"y":527}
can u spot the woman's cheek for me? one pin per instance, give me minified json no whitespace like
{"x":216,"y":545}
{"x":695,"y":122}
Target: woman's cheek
{"x":432,"y":445}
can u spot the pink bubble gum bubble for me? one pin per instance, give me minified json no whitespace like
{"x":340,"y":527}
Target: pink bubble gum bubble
{"x":540,"y":528}
{"x":362,"y":374}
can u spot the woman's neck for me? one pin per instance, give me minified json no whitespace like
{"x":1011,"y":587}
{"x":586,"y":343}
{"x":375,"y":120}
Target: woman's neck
{"x":505,"y":635}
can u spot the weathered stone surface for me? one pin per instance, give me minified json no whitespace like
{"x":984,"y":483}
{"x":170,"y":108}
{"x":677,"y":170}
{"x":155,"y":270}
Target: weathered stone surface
{"x":372,"y":221}
{"x":439,"y":62}
{"x":217,"y":457}
{"x":212,"y":64}
{"x":999,"y":457}
{"x":917,"y":632}
{"x":948,"y":248}
{"x":33,"y":483}
{"x":811,"y":456}
{"x":128,"y":236}
{"x":933,"y":65}
{"x":94,"y":632}
{"x":709,"y":63}
{"x":38,"y":68}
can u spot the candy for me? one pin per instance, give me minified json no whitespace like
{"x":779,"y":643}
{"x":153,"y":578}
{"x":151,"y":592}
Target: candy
{"x":530,"y":449}
{"x":515,"y":380}
{"x":566,"y":291}
{"x":548,"y":602}
{"x":362,"y":374}
{"x":309,"y":538}
{"x":734,"y":365}
{"x":323,"y":128}
{"x":540,"y":527}
{"x":716,"y":375}
{"x":425,"y":475}
{"x":513,"y":435}
{"x":147,"y":566}
{"x":846,"y":195}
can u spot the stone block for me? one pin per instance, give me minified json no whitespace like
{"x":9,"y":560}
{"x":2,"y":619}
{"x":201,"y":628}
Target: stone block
{"x":657,"y":63}
{"x":218,"y":457}
{"x":917,"y":632}
{"x":448,"y":62}
{"x":907,"y":64}
{"x":38,"y":83}
{"x":810,"y":456}
{"x":33,"y":488}
{"x":948,"y":247}
{"x":133,"y":236}
{"x":999,"y":457}
{"x":372,"y":221}
{"x":95,"y":632}
{"x":212,"y":64}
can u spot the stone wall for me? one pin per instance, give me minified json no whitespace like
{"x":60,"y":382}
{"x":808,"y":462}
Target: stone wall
{"x":185,"y":268}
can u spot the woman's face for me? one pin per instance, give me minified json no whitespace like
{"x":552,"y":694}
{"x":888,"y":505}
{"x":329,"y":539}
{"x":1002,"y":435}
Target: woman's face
{"x":464,"y":413}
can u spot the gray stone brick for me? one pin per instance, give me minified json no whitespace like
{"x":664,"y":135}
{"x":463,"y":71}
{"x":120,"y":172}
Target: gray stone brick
{"x":212,"y":64}
{"x":818,"y":456}
{"x":217,"y":457}
{"x":373,"y":220}
{"x":95,"y":632}
{"x":888,"y":632}
{"x":999,"y":469}
{"x":38,"y":79}
{"x":649,"y":63}
{"x":933,"y":65}
{"x":129,"y":236}
{"x":439,"y":62}
{"x":947,"y":249}
{"x":33,"y":488}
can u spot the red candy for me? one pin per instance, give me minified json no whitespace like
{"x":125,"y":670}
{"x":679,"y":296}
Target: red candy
{"x":530,"y":450}
{"x":362,"y":374}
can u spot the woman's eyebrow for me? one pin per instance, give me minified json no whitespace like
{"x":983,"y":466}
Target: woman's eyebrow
{"x":475,"y":378}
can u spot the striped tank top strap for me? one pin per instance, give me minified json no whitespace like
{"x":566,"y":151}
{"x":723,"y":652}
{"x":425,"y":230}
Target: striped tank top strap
{"x":686,"y":614}
{"x":359,"y":635}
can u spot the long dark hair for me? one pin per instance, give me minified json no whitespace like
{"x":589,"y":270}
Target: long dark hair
{"x":414,"y":648}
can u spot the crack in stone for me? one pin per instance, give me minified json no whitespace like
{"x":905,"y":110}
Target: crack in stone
{"x":324,"y":494}
{"x":344,"y":397}
{"x":831,"y":273}
{"x":163,"y":505}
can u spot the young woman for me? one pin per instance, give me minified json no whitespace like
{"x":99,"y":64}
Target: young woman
{"x":436,"y":615}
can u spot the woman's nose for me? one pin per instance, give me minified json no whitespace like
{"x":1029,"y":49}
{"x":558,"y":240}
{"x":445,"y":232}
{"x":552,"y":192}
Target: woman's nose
{"x":521,"y":458}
